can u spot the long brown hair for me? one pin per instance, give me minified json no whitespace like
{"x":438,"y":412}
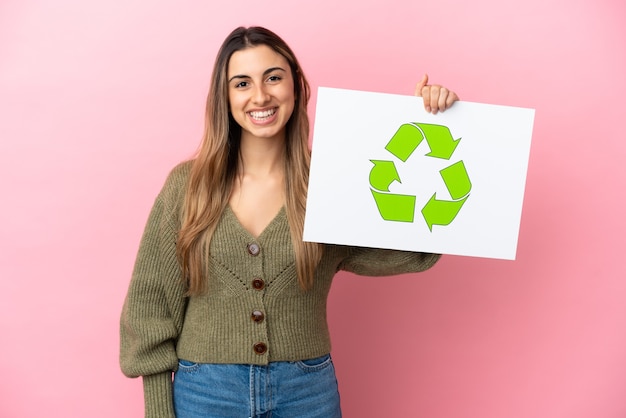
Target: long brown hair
{"x":214,"y":169}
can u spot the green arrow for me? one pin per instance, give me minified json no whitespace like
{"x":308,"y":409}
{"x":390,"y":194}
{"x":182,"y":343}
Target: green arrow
{"x":405,"y":141}
{"x":383,"y":174}
{"x":395,"y":207}
{"x":441,"y":212}
{"x":456,"y":179}
{"x":439,"y":139}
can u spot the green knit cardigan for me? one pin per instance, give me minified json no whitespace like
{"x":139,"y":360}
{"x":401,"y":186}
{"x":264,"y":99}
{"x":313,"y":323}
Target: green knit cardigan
{"x":254,"y":311}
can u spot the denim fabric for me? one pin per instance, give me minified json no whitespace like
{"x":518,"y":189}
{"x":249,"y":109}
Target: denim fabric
{"x":301,"y":389}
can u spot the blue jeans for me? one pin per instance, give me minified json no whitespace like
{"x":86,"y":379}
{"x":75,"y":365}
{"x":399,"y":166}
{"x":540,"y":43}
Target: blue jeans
{"x":300,"y":389}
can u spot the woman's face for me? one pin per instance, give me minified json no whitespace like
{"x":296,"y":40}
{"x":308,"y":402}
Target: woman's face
{"x":260,"y":92}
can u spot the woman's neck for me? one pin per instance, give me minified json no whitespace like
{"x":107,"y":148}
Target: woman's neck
{"x":258,"y":193}
{"x":261,"y":156}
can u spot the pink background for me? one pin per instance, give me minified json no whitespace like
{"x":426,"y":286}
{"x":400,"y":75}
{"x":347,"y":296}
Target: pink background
{"x":98,"y":100}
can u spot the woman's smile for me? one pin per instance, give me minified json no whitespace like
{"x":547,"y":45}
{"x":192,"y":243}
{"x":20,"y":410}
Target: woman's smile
{"x":262,"y":117}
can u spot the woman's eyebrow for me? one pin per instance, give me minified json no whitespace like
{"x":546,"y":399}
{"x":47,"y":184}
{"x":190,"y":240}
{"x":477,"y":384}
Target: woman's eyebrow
{"x":266,"y":72}
{"x":270,"y":70}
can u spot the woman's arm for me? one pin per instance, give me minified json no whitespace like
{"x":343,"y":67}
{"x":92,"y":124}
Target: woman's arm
{"x":380,"y":262}
{"x":154,"y":307}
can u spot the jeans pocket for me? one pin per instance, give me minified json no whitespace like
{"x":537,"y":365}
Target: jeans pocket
{"x":185,"y":366}
{"x":315,"y":364}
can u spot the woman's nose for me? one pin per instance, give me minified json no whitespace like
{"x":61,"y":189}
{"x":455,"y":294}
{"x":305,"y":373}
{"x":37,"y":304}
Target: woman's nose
{"x":260,"y":95}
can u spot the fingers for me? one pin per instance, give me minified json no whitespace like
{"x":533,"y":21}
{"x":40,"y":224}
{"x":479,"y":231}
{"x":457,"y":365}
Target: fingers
{"x":436,"y":98}
{"x":452,"y":97}
{"x":433,"y":103}
{"x":443,"y":97}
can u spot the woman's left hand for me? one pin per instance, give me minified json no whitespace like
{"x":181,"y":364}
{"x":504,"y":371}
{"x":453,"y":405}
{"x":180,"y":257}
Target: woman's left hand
{"x":436,"y":98}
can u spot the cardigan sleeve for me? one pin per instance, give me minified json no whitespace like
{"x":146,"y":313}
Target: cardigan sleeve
{"x":153,"y":311}
{"x":382,"y":262}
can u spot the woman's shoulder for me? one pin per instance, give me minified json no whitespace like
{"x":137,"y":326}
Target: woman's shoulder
{"x":176,"y":183}
{"x":180,"y":172}
{"x":178,"y":176}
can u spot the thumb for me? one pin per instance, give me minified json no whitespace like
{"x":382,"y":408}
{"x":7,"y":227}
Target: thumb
{"x":420,"y":85}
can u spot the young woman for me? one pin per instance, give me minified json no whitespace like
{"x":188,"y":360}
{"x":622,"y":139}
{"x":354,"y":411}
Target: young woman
{"x":225,"y":296}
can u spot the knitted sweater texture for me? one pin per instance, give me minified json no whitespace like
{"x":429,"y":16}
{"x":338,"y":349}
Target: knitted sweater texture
{"x":254,"y":311}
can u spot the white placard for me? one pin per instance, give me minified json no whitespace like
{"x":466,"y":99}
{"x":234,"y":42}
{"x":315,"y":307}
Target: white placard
{"x":387,"y":174}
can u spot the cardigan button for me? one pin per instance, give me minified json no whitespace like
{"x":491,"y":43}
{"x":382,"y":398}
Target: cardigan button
{"x":258,"y":284}
{"x":260,"y":348}
{"x":254,"y":249}
{"x":257,"y":316}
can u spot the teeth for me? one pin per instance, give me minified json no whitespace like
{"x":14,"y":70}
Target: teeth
{"x":263,"y":115}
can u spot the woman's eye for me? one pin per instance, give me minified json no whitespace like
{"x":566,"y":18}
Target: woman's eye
{"x":273,"y":78}
{"x":241,"y":84}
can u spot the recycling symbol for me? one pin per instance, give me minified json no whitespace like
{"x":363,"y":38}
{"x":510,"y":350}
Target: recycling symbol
{"x":401,"y":207}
